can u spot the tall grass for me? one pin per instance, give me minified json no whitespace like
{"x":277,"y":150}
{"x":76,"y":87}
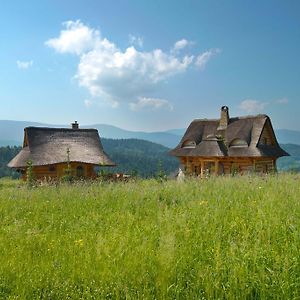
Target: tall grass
{"x":221,"y":238}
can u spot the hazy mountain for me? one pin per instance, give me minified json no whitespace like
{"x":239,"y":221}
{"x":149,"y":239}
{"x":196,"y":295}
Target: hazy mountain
{"x":291,"y":162}
{"x":11,"y":133}
{"x":164,"y":138}
{"x":286,"y":136}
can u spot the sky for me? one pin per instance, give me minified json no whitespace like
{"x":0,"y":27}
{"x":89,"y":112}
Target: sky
{"x":149,"y":65}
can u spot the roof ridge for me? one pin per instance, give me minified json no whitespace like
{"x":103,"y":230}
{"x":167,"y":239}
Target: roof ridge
{"x":231,"y":118}
{"x":61,"y":128}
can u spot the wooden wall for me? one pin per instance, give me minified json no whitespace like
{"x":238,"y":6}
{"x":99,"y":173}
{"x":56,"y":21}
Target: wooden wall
{"x":58,"y":170}
{"x":225,"y":166}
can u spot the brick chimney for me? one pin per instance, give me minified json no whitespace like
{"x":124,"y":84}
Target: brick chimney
{"x":224,"y":119}
{"x":75,"y":125}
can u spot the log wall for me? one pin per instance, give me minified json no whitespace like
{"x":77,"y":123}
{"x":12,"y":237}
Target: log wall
{"x":227,"y":166}
{"x":57,"y":171}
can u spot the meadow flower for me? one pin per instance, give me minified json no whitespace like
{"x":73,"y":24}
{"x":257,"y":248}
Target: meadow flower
{"x":202,"y":202}
{"x":79,"y":243}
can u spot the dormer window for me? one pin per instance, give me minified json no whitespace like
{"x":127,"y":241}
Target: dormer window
{"x":238,"y":143}
{"x":189,"y":144}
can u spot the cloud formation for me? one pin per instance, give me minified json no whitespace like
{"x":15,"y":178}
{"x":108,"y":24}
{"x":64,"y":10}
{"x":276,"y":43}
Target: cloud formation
{"x":181,"y":44}
{"x":24,"y":64}
{"x":77,"y":38}
{"x":202,"y":59}
{"x":252,"y":106}
{"x":151,"y":104}
{"x":282,"y":101}
{"x":114,"y":75}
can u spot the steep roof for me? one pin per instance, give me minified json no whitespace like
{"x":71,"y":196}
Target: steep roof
{"x":209,"y":141}
{"x":45,"y":146}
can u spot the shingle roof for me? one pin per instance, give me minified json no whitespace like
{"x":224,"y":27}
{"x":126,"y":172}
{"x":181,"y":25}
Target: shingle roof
{"x":248,"y":129}
{"x":49,"y":146}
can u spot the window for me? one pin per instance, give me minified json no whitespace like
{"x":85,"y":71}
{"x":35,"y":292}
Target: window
{"x":238,"y":143}
{"x":80,"y":171}
{"x":52,"y":169}
{"x":189,"y":144}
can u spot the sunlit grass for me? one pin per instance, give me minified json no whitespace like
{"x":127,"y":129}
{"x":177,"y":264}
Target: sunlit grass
{"x":233,"y":238}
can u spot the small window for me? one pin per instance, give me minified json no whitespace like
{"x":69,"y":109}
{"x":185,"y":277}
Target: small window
{"x":52,"y":169}
{"x":80,"y":171}
{"x":189,"y":144}
{"x":238,"y":143}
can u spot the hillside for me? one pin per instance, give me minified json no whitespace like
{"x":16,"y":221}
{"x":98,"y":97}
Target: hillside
{"x":292,"y":162}
{"x":143,"y":157}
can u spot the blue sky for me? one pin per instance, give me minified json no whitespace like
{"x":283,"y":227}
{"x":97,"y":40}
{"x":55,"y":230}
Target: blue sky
{"x":149,"y":65}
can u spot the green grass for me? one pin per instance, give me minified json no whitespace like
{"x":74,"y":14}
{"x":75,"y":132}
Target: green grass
{"x":221,"y":238}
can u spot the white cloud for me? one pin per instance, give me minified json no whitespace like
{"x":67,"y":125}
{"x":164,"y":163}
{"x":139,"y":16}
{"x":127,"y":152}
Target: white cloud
{"x":24,"y":64}
{"x":150,"y":103}
{"x":136,"y":40}
{"x":113,"y":75}
{"x":282,"y":101}
{"x":181,"y":44}
{"x":203,"y":58}
{"x":77,"y":38}
{"x":252,"y":106}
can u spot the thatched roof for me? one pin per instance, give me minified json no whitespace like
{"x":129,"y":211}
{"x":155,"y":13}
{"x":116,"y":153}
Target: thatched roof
{"x":45,"y":146}
{"x":211,"y":141}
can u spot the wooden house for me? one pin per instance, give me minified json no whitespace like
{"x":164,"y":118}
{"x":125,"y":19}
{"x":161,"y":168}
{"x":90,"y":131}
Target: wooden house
{"x":50,"y":150}
{"x":229,"y":145}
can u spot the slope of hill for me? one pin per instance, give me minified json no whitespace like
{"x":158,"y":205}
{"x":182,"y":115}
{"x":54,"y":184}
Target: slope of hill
{"x":145,"y":158}
{"x":292,"y":162}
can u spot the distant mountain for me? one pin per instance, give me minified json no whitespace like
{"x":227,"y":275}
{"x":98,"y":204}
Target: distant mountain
{"x":179,"y":131}
{"x":286,"y":136}
{"x":292,"y":162}
{"x":11,"y":133}
{"x":167,"y":139}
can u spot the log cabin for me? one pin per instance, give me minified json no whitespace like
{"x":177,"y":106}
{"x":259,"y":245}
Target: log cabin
{"x":229,"y":145}
{"x":51,"y":150}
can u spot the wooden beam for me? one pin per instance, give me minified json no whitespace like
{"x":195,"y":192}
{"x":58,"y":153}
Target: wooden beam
{"x":216,"y":167}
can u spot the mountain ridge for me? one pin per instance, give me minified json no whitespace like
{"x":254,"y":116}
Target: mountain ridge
{"x":11,"y":133}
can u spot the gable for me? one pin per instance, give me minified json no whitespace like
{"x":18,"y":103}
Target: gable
{"x":25,"y":141}
{"x":267,"y":136}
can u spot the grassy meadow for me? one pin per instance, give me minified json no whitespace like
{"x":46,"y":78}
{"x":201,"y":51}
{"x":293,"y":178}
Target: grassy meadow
{"x":220,"y":238}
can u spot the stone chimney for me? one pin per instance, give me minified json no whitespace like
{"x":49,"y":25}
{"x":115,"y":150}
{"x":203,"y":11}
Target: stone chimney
{"x":224,"y":120}
{"x":75,"y":125}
